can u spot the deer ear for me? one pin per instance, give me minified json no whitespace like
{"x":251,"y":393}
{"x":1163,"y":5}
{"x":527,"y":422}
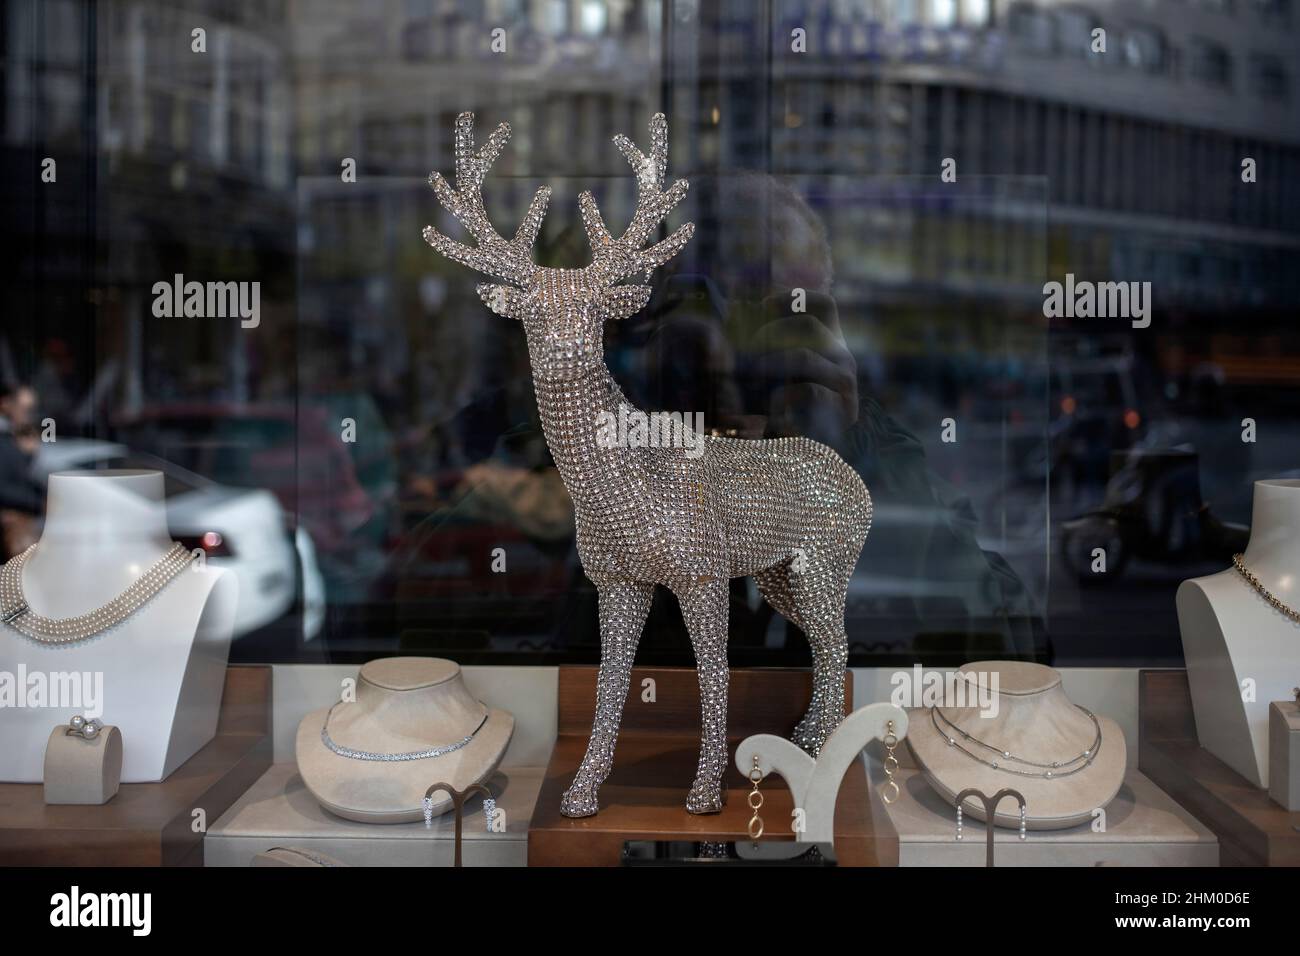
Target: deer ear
{"x":626,"y":300}
{"x":498,"y":298}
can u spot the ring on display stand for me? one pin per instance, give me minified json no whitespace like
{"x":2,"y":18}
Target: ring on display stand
{"x":86,"y":728}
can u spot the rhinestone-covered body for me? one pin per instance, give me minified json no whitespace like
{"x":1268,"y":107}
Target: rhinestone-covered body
{"x":788,"y":511}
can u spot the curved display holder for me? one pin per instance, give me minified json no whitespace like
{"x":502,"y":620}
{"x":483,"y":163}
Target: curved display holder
{"x":160,"y":672}
{"x":81,"y":771}
{"x":1232,"y":636}
{"x":815,"y":782}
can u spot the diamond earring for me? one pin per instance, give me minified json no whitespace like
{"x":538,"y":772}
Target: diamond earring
{"x":427,"y":803}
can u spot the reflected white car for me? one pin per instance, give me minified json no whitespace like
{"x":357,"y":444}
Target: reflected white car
{"x":242,"y":530}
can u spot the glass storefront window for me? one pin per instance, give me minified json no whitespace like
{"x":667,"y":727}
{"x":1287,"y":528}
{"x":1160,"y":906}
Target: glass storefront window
{"x":840,"y":286}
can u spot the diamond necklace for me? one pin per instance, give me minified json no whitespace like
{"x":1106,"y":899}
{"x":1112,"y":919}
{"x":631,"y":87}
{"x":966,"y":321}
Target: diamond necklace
{"x":1239,"y":562}
{"x":409,"y":755}
{"x":17,"y":613}
{"x":1055,"y":769}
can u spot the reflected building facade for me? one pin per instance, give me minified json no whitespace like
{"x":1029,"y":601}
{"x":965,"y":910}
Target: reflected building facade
{"x":293,"y":150}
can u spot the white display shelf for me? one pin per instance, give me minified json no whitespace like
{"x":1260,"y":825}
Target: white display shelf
{"x":1143,"y":827}
{"x":278,"y":810}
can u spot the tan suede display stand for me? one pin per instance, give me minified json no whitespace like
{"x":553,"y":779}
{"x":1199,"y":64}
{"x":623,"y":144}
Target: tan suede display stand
{"x":1035,"y":720}
{"x":403,"y":705}
{"x":80,"y":771}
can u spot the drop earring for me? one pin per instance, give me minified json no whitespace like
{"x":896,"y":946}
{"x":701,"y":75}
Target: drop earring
{"x":958,"y":819}
{"x":890,"y":791}
{"x":755,"y":802}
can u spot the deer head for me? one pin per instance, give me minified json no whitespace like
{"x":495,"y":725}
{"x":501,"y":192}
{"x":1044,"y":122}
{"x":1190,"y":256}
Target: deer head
{"x":563,"y":311}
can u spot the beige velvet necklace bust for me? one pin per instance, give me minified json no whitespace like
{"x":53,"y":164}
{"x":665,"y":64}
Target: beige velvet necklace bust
{"x":1036,"y":721}
{"x":402,"y":705}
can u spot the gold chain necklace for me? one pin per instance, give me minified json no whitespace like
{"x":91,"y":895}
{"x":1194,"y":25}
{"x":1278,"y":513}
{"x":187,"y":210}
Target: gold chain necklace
{"x":1240,"y":564}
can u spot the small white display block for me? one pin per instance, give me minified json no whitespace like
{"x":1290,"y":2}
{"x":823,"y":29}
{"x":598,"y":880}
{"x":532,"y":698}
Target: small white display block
{"x":278,"y":810}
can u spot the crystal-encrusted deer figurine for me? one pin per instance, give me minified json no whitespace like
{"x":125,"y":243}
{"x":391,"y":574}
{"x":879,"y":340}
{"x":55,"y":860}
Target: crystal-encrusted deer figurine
{"x":788,"y":511}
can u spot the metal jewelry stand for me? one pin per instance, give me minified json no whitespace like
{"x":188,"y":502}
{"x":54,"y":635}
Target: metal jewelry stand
{"x":990,"y":811}
{"x":458,"y":803}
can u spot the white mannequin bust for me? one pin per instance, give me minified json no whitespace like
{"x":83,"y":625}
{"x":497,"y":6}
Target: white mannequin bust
{"x":1231,"y":634}
{"x":163,"y":669}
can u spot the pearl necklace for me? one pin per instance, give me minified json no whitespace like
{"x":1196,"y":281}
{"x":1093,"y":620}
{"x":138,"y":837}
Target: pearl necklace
{"x":17,"y":613}
{"x":1054,"y":770}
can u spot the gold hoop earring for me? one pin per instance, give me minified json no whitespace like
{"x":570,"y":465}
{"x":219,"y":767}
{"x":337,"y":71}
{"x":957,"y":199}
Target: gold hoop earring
{"x":755,"y":802}
{"x":890,"y":764}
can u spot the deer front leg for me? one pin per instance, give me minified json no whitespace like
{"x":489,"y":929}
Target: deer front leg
{"x":623,"y":609}
{"x":704,"y":605}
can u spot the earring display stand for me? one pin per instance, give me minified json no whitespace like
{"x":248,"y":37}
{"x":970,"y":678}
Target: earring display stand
{"x":990,"y":812}
{"x":149,"y":824}
{"x":814,"y":783}
{"x":1252,"y":829}
{"x":644,"y":798}
{"x":458,"y":798}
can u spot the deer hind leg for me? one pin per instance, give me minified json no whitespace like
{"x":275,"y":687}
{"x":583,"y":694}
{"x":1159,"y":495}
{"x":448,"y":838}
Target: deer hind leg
{"x":704,"y":606}
{"x":774,"y":584}
{"x":623,"y":609}
{"x":819,"y":588}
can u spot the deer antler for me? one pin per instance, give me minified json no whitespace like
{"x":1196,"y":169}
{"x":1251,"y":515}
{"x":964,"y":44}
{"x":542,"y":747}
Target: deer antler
{"x":619,"y":258}
{"x":506,"y":259}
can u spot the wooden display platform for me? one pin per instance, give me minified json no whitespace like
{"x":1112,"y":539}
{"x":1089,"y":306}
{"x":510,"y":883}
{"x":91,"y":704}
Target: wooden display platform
{"x":655,"y":762}
{"x":1252,"y":829}
{"x":149,"y":824}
